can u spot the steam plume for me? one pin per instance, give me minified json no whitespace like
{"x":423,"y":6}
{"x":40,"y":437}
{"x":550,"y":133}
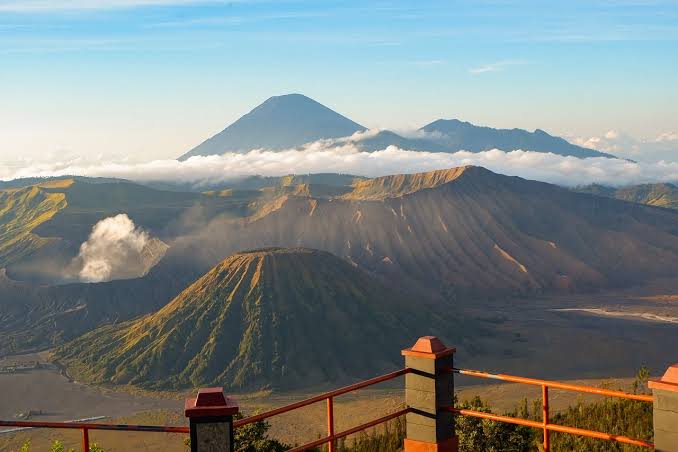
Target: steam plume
{"x":115,"y":249}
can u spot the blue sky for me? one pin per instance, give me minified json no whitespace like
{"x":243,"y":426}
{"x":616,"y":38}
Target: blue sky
{"x":152,"y":78}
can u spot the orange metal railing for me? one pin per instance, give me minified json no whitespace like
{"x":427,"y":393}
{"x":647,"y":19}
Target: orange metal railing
{"x":332,"y":436}
{"x":329,"y":398}
{"x":86,"y":427}
{"x":545,"y":425}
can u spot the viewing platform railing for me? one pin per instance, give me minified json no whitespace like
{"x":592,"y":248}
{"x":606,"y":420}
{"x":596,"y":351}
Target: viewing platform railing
{"x":545,"y":425}
{"x":429,"y":407}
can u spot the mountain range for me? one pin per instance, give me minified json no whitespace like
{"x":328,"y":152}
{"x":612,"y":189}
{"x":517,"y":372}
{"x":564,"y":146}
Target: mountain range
{"x":470,"y":231}
{"x":441,"y":238}
{"x":293,"y":120}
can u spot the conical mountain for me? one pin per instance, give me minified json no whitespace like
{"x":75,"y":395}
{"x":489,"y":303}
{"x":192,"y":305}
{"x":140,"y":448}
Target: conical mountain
{"x":281,"y":122}
{"x":272,"y":317}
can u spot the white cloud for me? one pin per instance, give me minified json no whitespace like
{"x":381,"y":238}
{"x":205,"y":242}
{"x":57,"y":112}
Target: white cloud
{"x":330,"y":156}
{"x":662,"y":147}
{"x":495,"y":67}
{"x":55,"y":5}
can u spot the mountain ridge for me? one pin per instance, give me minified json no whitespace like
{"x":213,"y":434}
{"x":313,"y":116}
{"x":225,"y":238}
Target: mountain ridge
{"x":660,"y":194}
{"x":293,"y":120}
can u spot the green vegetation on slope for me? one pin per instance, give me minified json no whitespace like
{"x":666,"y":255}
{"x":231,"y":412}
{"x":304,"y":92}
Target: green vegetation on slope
{"x":660,"y":195}
{"x":275,"y":317}
{"x":21,"y":211}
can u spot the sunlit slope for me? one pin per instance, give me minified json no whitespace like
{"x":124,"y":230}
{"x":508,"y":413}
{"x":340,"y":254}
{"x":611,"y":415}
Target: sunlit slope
{"x":273,"y":317}
{"x":660,"y":195}
{"x":471,"y":231}
{"x":21,"y":211}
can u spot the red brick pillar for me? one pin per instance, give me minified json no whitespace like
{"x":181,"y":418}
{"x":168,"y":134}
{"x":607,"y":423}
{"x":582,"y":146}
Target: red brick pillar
{"x":428,"y":387}
{"x":211,"y":421}
{"x":665,"y":417}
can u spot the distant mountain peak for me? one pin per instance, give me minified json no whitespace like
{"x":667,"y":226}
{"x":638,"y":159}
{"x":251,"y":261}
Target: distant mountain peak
{"x":459,"y":135}
{"x":280,"y":122}
{"x":293,"y":120}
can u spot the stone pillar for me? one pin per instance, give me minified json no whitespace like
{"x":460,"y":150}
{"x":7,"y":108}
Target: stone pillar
{"x":211,"y":421}
{"x":429,"y":387}
{"x":665,"y":393}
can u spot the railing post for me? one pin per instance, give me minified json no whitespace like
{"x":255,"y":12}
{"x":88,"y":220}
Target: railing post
{"x":330,"y":423}
{"x":545,"y":416}
{"x":85,"y":440}
{"x":429,"y":387}
{"x":665,"y":416}
{"x":211,"y":421}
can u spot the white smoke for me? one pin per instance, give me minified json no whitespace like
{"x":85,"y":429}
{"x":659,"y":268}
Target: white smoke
{"x":113,"y":250}
{"x":343,"y":156}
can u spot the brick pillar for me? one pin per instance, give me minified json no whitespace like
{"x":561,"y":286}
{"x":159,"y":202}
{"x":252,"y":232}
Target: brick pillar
{"x":665,"y":392}
{"x":211,"y":420}
{"x":429,"y":387}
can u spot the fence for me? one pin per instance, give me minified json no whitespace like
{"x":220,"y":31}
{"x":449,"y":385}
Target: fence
{"x":429,"y":388}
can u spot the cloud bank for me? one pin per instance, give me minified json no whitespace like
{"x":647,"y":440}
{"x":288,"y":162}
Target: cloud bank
{"x":661,"y":147}
{"x":116,"y":249}
{"x":344,"y":157}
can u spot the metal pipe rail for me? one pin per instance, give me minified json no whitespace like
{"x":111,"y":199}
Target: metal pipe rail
{"x":545,"y":425}
{"x":329,"y":397}
{"x":87,"y":426}
{"x":331,"y":438}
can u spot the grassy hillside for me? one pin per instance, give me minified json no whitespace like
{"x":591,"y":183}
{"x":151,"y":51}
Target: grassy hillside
{"x":22,"y":210}
{"x":660,"y":195}
{"x":275,"y":317}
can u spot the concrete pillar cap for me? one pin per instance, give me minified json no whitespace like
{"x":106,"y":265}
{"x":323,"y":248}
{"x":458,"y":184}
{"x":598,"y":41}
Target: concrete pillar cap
{"x":668,"y":382}
{"x":210,"y":402}
{"x":429,"y":347}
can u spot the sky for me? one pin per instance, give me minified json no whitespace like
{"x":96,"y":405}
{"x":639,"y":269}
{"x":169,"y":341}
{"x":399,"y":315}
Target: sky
{"x":149,"y":79}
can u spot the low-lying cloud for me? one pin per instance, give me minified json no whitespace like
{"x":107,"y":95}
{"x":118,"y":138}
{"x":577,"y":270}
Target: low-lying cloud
{"x":338,"y":156}
{"x":116,"y":249}
{"x":661,"y":147}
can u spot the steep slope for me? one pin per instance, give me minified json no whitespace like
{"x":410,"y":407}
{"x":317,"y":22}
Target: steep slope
{"x":402,"y":184}
{"x":272,"y":317}
{"x":280,"y":122}
{"x":22,"y":210}
{"x":468,"y":231}
{"x":458,"y":135}
{"x":660,"y":195}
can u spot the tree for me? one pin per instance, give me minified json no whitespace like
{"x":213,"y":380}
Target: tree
{"x":254,"y":438}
